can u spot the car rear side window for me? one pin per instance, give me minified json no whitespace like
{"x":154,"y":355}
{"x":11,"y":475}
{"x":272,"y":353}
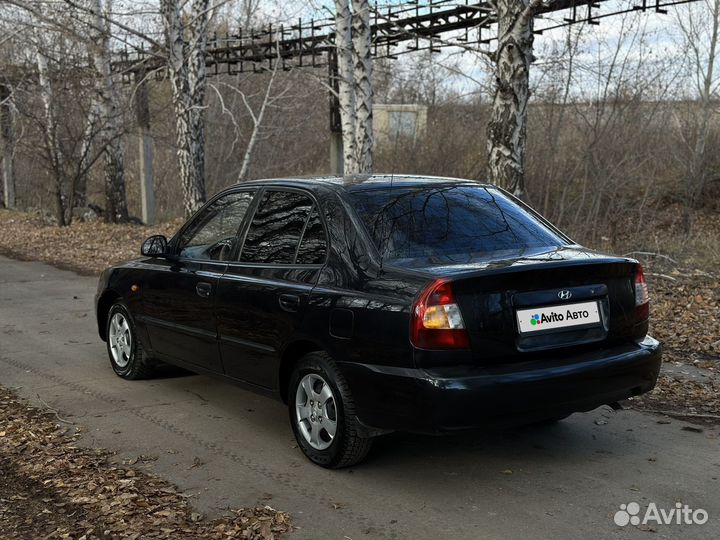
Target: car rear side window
{"x":275,"y":231}
{"x":452,"y":223}
{"x":313,"y":246}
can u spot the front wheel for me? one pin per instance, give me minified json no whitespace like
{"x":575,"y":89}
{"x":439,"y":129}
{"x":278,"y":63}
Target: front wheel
{"x":552,"y":420}
{"x":322,"y":414}
{"x":127,"y":356}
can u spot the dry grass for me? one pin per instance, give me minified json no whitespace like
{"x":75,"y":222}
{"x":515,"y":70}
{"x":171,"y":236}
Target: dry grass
{"x":664,"y":233}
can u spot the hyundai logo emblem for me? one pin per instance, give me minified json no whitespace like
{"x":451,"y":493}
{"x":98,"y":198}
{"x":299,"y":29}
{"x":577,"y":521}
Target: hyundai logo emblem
{"x":564,"y":295}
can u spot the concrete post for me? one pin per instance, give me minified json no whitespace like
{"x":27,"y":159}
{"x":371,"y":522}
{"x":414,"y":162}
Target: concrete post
{"x":336,"y":153}
{"x":147,"y":189}
{"x":336,"y":139}
{"x":8,"y":147}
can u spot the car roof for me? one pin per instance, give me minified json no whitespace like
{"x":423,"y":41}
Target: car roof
{"x":360,"y":181}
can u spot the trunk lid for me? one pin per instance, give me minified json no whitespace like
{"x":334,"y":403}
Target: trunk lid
{"x":581,"y":297}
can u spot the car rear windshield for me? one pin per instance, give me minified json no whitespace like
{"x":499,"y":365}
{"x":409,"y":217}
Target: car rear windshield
{"x":453,"y":223}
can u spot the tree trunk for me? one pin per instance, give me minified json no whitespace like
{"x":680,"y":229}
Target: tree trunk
{"x":186,"y":65}
{"x":247,"y":159}
{"x":79,"y":196}
{"x":362,"y":68}
{"x":345,"y":84}
{"x":507,"y":128}
{"x":52,"y":144}
{"x":110,"y":132}
{"x":7,"y":135}
{"x":145,"y":148}
{"x":697,"y":167}
{"x":257,"y":125}
{"x":110,"y":135}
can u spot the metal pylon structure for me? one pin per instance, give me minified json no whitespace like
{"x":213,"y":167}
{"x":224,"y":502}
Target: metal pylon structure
{"x":396,"y":29}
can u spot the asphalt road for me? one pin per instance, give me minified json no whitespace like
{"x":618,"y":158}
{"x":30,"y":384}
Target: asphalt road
{"x":229,"y":448}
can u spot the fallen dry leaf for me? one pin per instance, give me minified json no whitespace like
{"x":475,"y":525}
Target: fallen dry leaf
{"x":87,"y":248}
{"x":74,"y":492}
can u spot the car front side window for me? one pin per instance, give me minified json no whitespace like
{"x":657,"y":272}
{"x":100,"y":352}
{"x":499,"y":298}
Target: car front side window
{"x":213,"y":233}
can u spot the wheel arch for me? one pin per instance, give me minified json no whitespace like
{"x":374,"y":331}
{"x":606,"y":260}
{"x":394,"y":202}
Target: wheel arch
{"x":292,"y":353}
{"x":104,"y":304}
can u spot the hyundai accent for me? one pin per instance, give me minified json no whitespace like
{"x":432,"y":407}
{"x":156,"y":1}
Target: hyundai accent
{"x":382,"y":303}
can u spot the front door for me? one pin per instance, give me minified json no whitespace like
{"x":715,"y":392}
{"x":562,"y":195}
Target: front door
{"x":263,"y":295}
{"x":179,"y":295}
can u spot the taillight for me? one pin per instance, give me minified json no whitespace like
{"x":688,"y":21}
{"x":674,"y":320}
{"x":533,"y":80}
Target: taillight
{"x":436,"y":321}
{"x":642,"y":295}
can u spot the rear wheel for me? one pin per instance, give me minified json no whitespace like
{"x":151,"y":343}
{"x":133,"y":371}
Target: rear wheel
{"x":322,"y":414}
{"x":127,"y":356}
{"x":552,"y":420}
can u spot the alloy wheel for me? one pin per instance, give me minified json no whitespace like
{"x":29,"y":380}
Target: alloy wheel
{"x":316,"y":411}
{"x":120,"y":340}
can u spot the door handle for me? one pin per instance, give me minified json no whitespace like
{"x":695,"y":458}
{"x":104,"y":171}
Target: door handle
{"x":289,"y":302}
{"x":203,"y":289}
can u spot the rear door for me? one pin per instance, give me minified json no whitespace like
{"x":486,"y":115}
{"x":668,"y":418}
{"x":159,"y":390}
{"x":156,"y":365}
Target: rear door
{"x":179,"y":294}
{"x":264,"y":293}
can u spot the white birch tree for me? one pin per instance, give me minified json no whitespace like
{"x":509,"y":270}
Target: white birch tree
{"x":507,"y":127}
{"x":362,"y":76}
{"x":186,"y":41}
{"x":346,"y":83}
{"x":257,"y":122}
{"x":355,"y":89}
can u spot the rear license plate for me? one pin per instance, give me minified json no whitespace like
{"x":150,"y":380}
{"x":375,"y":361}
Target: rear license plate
{"x":558,"y":317}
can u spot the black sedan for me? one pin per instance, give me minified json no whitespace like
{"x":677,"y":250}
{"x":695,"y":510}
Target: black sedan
{"x":382,"y":303}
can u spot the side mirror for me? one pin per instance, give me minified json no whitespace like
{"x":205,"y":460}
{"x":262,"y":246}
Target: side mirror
{"x":155,"y":246}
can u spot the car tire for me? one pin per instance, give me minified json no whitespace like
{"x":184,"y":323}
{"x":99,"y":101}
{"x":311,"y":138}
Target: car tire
{"x":552,"y":420}
{"x":127,"y":356}
{"x":328,"y":395}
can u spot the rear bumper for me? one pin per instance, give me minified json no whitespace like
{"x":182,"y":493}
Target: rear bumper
{"x":463,"y":397}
